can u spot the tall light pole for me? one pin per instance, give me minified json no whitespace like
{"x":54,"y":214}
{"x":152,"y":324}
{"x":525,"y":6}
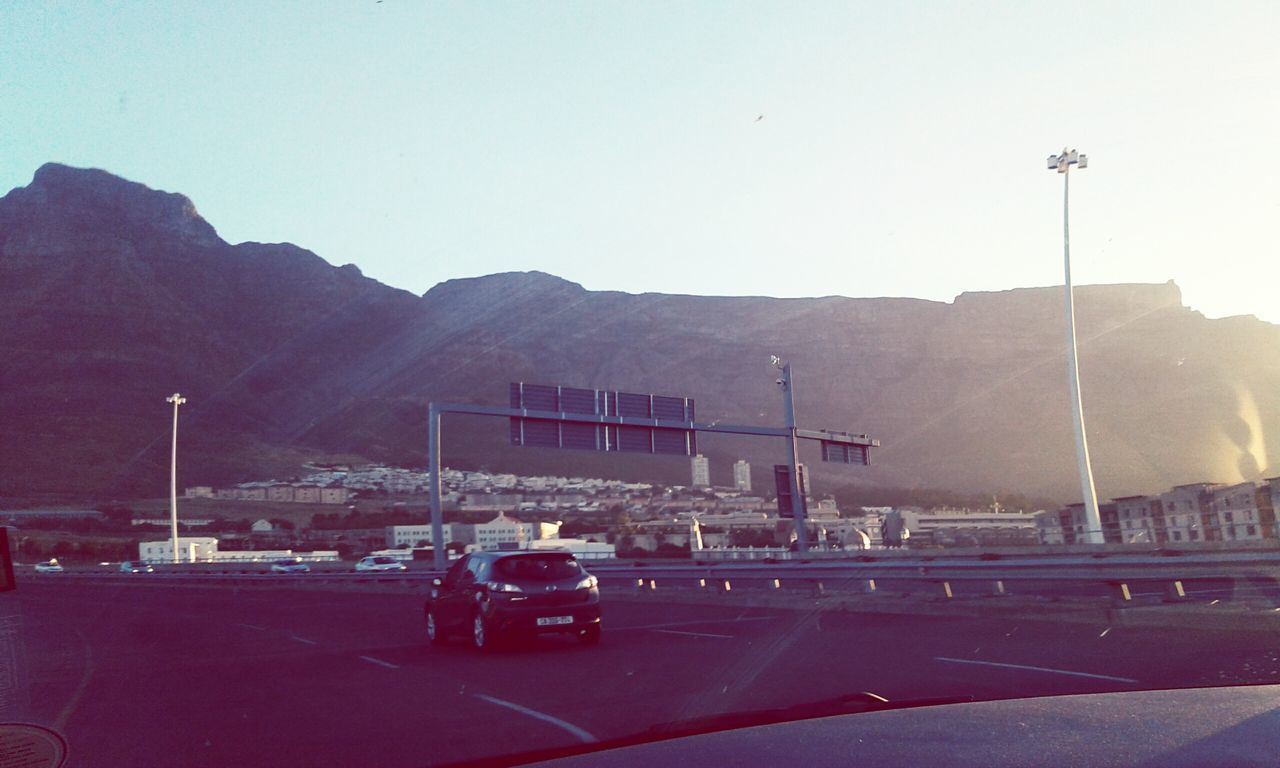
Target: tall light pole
{"x":1093,"y":522}
{"x":793,"y":453}
{"x":177,"y":400}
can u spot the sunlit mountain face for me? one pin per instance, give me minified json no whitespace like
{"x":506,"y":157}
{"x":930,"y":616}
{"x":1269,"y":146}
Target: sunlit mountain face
{"x":113,"y":296}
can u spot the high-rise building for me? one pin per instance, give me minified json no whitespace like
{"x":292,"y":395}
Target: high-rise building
{"x":742,"y":475}
{"x":701,"y":471}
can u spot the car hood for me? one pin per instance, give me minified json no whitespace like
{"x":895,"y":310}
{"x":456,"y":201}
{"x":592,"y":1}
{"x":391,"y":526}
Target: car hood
{"x":1237,"y":726}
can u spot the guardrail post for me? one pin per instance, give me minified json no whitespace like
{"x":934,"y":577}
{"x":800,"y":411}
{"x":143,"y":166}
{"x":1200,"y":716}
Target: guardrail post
{"x":725,"y":586}
{"x":1174,"y":592}
{"x":869,"y":586}
{"x":775,"y":584}
{"x":998,"y":588}
{"x":1121,"y":595}
{"x":946,"y":589}
{"x":819,"y":590}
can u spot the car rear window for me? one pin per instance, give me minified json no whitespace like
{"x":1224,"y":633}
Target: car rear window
{"x":527,"y":568}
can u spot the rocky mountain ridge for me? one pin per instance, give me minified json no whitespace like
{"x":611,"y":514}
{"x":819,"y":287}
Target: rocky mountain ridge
{"x":113,"y":295}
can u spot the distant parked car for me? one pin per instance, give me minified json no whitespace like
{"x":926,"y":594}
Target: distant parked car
{"x":290,"y":566}
{"x":136,"y":566}
{"x":50,"y":567}
{"x":380,"y":563}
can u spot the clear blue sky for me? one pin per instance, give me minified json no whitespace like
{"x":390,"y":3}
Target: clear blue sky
{"x":620,"y":145}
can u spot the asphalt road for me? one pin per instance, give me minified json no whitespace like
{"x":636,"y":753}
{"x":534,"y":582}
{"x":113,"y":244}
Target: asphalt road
{"x":193,"y":676}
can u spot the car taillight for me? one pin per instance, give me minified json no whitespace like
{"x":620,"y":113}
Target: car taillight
{"x":587,"y":583}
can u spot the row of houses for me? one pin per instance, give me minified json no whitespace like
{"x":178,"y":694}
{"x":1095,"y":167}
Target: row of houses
{"x":1185,"y":513}
{"x":302,"y":493}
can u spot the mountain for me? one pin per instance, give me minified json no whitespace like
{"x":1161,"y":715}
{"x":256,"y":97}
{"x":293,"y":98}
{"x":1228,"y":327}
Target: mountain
{"x":113,"y":295}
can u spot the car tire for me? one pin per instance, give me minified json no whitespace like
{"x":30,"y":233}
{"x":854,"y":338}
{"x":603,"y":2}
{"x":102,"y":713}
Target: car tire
{"x":483,"y":636}
{"x":590,"y":635}
{"x":435,"y":632}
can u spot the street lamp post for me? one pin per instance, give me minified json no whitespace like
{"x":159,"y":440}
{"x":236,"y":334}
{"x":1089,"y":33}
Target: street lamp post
{"x":177,"y":400}
{"x":1093,"y":522}
{"x":793,"y":453}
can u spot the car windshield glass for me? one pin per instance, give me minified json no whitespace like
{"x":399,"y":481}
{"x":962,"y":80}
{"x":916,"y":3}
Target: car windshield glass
{"x":495,"y":376}
{"x":533,"y":568}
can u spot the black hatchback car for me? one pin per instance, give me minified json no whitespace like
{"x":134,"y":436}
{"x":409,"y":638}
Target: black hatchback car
{"x":486,"y":596}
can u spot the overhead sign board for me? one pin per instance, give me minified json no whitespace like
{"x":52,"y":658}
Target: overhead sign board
{"x":614,"y":424}
{"x":845,"y":453}
{"x":782,"y":484}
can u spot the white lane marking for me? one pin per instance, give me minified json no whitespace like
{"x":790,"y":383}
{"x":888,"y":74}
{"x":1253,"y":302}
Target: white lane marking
{"x":580,"y":734}
{"x":60,"y":723}
{"x":303,"y":640}
{"x":694,"y":623}
{"x":252,"y":626}
{"x":693,"y":634}
{"x":1104,"y":633}
{"x":380,"y":662}
{"x":1036,"y":669}
{"x":1224,"y":591}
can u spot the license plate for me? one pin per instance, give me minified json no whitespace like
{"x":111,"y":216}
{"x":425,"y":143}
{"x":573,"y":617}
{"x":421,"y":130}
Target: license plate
{"x":550,"y":621}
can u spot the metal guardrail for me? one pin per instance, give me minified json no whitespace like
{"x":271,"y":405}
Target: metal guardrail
{"x":1121,"y":579}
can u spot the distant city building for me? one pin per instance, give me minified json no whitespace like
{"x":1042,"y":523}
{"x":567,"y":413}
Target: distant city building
{"x":504,"y":531}
{"x":583,"y":550}
{"x":701,"y":471}
{"x":742,"y":475}
{"x":191,"y":549}
{"x":199,"y":492}
{"x":1183,"y":514}
{"x":307,"y":494}
{"x":420,"y":535}
{"x":1241,"y":512}
{"x":498,"y":533}
{"x":1186,"y":512}
{"x":333,"y":495}
{"x":958,"y":527}
{"x":825,"y":509}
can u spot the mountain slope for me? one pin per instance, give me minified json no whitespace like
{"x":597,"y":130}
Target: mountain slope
{"x":115,"y":295}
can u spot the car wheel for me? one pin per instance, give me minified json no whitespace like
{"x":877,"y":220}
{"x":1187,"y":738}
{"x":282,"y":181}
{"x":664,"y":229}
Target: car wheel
{"x":482,"y":635}
{"x":590,"y":635}
{"x":435,"y":633}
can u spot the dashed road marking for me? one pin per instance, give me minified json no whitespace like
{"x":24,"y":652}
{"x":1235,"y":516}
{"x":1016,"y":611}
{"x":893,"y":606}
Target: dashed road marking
{"x":304,"y":640}
{"x":1035,"y":669}
{"x":252,"y":626}
{"x":380,"y":662}
{"x":693,"y":634}
{"x":580,"y":734}
{"x":693,"y":623}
